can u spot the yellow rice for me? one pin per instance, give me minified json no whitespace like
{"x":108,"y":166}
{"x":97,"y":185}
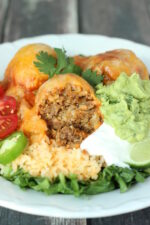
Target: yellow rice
{"x":45,"y":160}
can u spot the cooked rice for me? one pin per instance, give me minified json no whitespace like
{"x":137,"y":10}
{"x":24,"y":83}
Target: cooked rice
{"x":42,"y":159}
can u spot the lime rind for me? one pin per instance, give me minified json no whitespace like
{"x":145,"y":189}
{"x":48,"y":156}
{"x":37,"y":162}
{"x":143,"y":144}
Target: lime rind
{"x":138,"y":165}
{"x":12,"y":147}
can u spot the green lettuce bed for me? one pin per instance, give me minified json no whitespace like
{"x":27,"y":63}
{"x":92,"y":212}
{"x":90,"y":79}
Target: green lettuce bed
{"x":110,"y":178}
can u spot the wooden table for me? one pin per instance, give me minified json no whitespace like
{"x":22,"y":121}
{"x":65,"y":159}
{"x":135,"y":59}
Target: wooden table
{"x":24,"y":18}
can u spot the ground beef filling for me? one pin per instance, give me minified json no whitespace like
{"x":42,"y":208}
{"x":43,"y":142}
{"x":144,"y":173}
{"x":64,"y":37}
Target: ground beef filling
{"x":70,"y":113}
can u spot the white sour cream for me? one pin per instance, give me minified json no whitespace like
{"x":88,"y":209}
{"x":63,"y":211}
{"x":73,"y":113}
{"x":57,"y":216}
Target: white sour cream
{"x":104,"y":142}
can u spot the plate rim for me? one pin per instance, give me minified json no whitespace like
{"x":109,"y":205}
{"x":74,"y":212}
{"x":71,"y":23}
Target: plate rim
{"x":54,"y":211}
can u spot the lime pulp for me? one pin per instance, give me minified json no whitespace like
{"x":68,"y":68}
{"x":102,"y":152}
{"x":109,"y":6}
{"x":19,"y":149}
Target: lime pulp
{"x":139,"y":154}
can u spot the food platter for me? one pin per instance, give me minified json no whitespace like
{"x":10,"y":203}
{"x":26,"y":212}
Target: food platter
{"x":107,"y":204}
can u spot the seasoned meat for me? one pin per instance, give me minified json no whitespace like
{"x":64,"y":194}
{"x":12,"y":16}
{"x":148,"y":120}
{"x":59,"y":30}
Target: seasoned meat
{"x":112,"y":63}
{"x":68,"y":105}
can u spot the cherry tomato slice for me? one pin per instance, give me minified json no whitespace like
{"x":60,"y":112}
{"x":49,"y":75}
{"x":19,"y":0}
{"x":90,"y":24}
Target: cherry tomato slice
{"x":1,"y":91}
{"x":8,"y":124}
{"x":7,"y":105}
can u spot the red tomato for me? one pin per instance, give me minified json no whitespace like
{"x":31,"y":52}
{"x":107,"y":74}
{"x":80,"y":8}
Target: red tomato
{"x":1,"y":91}
{"x":8,"y":124}
{"x":7,"y":105}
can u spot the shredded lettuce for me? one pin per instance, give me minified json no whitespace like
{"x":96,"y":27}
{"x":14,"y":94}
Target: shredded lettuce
{"x":109,"y":178}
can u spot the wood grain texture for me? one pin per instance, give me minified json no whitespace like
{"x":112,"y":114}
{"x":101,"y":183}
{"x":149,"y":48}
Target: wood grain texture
{"x":28,"y":18}
{"x":3,"y":12}
{"x":141,"y":217}
{"x":9,"y":217}
{"x":126,"y":19}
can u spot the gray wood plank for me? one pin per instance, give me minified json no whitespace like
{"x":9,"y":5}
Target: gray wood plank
{"x":61,"y":221}
{"x":126,"y":19}
{"x":141,"y":217}
{"x":10,"y":217}
{"x":3,"y":11}
{"x":30,"y":18}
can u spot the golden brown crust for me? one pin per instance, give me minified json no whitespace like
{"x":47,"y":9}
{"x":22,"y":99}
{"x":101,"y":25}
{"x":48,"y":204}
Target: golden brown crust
{"x":112,"y":63}
{"x":59,"y":81}
{"x":22,"y":71}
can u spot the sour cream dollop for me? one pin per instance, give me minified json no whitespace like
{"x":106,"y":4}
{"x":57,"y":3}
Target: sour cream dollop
{"x":104,"y":142}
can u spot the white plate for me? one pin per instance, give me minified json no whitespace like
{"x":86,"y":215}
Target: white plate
{"x":108,"y":204}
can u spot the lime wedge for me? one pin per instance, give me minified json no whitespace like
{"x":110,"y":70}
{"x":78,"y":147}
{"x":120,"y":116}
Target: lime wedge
{"x":139,"y":154}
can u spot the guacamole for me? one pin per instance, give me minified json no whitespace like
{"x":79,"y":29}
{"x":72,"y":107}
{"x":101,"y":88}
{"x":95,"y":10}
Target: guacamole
{"x":126,"y":106}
